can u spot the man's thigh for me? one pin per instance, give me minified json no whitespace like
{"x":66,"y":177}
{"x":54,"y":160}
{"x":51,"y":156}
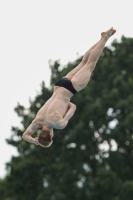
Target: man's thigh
{"x":82,"y":77}
{"x":72,"y":73}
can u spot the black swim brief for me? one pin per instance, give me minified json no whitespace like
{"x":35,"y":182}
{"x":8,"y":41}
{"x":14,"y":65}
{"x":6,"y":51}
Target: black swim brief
{"x":66,"y":83}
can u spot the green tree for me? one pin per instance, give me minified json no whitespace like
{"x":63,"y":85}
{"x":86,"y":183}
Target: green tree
{"x":92,"y":157}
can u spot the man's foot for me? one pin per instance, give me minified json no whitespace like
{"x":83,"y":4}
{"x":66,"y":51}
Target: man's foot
{"x":109,"y":32}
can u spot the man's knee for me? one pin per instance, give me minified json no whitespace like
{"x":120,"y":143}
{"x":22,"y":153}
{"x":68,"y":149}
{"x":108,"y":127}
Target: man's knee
{"x":91,"y":65}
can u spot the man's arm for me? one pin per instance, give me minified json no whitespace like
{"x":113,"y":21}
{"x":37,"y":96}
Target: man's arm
{"x":63,"y":121}
{"x":29,"y":131}
{"x":70,"y":112}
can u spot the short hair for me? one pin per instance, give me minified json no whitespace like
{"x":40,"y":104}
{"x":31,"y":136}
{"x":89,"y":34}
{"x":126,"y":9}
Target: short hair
{"x":44,"y":138}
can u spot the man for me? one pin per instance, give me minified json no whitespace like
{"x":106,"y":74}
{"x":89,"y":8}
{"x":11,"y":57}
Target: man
{"x":57,"y":111}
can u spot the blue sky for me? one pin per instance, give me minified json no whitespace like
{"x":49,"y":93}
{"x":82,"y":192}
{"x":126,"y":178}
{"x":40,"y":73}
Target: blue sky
{"x":32,"y":32}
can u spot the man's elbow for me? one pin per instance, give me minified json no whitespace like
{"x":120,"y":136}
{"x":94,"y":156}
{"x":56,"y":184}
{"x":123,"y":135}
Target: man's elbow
{"x":24,"y":136}
{"x":63,"y":124}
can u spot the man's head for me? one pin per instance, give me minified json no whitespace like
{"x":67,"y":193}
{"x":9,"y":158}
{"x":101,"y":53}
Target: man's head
{"x":45,"y":138}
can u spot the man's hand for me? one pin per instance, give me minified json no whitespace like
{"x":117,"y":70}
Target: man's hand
{"x":29,"y":131}
{"x":36,"y":141}
{"x":30,"y":139}
{"x":70,"y":112}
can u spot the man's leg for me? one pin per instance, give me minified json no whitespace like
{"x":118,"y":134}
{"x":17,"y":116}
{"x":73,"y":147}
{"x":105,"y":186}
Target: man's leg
{"x":82,"y":77}
{"x":81,"y":64}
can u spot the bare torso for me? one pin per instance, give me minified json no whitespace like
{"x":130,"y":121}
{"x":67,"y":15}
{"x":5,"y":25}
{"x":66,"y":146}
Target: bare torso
{"x":54,"y":109}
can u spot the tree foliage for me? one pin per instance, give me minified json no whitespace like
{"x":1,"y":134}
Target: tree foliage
{"x":92,"y":158}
